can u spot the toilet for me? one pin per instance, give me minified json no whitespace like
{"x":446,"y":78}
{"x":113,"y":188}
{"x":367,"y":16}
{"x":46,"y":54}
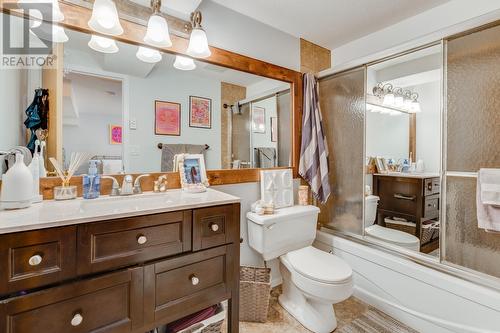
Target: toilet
{"x":313,"y":280}
{"x":387,"y":235}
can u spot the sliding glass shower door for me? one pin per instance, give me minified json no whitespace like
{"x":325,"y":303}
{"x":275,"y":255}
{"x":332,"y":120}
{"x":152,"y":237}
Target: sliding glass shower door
{"x":342,"y":101}
{"x":472,"y":142}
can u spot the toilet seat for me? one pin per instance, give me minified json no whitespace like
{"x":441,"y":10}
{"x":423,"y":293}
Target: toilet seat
{"x":319,"y":266}
{"x":392,"y":236}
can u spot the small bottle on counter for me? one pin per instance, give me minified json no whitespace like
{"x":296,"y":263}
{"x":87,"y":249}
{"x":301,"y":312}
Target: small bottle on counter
{"x":303,"y":195}
{"x":92,"y":182}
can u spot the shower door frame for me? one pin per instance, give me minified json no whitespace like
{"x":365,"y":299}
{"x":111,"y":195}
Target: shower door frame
{"x":438,"y":264}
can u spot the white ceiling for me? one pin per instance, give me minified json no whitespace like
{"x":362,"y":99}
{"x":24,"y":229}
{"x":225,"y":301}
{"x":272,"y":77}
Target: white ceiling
{"x":330,"y":23}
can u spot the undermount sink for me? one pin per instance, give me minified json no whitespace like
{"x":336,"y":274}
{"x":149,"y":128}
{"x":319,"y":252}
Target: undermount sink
{"x":132,"y":202}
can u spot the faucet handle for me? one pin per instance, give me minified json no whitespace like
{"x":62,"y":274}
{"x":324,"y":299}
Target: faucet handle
{"x":115,"y":189}
{"x":137,"y":184}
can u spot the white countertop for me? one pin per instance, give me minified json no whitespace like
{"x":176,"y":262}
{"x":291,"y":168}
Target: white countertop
{"x":51,"y":213}
{"x":409,"y":175}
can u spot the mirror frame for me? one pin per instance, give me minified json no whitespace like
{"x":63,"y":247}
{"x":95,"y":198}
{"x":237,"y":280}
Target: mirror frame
{"x":76,"y":18}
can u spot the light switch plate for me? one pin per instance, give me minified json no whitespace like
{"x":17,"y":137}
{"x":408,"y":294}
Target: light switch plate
{"x":276,"y":187}
{"x":133,"y":124}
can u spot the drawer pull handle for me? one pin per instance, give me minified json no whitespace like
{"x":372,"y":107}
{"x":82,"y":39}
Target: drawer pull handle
{"x":194,"y":280}
{"x":142,"y":239}
{"x":214,"y":227}
{"x":35,"y":260}
{"x":404,"y":197}
{"x":77,"y":319}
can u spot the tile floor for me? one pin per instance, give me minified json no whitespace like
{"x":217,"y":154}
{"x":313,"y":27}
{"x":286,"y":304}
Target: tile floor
{"x":280,"y":321}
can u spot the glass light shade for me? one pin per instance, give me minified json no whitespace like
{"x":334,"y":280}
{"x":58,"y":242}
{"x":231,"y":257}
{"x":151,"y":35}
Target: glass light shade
{"x":385,"y":110}
{"x":389,"y":99}
{"x":184,"y":63}
{"x":148,"y":55}
{"x":105,"y":18}
{"x":46,"y":5}
{"x":395,"y":113}
{"x":157,"y":33}
{"x":198,"y":44}
{"x":415,"y":107}
{"x":35,"y":18}
{"x":399,"y":101}
{"x":103,"y":44}
{"x":59,"y":35}
{"x":407,"y":104}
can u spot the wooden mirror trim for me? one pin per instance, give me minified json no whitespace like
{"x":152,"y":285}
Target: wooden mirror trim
{"x":76,"y":18}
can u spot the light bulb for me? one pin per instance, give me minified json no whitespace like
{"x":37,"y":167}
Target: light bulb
{"x":389,"y":99}
{"x":157,"y":33}
{"x":415,"y":107}
{"x":103,"y":44}
{"x":198,"y":44}
{"x":398,"y":101}
{"x":105,"y":18}
{"x":148,"y":55}
{"x":184,"y":63}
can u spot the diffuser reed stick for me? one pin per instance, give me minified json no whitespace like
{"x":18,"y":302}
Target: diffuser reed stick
{"x":77,"y":159}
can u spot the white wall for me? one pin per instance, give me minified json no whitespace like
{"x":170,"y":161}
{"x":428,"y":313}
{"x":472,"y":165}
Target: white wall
{"x":429,"y":126}
{"x":434,"y":24}
{"x":387,"y":136}
{"x":235,"y":32}
{"x":172,"y":86}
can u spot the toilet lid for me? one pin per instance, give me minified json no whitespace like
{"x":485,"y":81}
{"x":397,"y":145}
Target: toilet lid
{"x":319,"y":265}
{"x":391,"y":235}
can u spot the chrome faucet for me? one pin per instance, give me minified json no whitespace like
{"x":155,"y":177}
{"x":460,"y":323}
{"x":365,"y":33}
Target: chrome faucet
{"x":137,"y":184}
{"x":127,"y":187}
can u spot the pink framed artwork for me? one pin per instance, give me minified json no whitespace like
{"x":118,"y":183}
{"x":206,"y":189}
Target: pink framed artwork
{"x":200,"y":112}
{"x":167,"y":118}
{"x":258,"y":119}
{"x":115,"y":134}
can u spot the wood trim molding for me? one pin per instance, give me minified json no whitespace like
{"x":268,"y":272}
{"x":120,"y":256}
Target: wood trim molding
{"x":76,"y":18}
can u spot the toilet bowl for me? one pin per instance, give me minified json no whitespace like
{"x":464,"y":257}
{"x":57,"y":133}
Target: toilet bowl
{"x":313,"y":280}
{"x":387,"y":235}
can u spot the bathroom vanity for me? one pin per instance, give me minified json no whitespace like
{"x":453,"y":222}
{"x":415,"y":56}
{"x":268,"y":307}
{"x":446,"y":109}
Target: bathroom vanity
{"x":118,"y":264}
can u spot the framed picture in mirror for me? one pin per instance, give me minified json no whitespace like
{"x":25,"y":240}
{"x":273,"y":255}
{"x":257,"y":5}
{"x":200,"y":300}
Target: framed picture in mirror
{"x":381,"y":165}
{"x":115,"y":134}
{"x":167,"y":118}
{"x":258,"y":119}
{"x":200,"y":112}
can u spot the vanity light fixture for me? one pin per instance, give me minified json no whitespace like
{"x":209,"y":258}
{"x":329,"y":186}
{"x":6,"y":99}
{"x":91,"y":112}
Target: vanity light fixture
{"x":404,"y":101}
{"x":148,"y":55}
{"x":198,"y":43}
{"x":184,"y":63}
{"x":105,"y":18}
{"x":157,"y":34}
{"x":103,"y":44}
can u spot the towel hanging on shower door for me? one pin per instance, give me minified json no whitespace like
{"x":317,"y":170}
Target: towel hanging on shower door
{"x":313,"y":166}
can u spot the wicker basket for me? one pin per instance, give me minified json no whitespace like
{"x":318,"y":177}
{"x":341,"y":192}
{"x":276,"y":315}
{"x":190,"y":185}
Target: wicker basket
{"x":255,"y":291}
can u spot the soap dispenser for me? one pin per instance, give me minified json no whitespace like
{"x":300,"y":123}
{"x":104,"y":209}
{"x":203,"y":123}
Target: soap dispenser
{"x":17,"y":186}
{"x":91,"y":182}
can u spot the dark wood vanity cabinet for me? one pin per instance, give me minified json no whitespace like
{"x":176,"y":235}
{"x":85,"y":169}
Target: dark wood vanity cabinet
{"x":125,"y":275}
{"x":414,"y":199}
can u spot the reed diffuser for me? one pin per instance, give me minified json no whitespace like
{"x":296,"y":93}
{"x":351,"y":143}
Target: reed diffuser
{"x":67,"y":191}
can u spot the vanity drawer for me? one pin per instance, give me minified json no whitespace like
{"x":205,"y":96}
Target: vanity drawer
{"x":112,"y":244}
{"x":431,"y":206}
{"x":399,"y":194}
{"x":36,"y":258}
{"x":111,"y":303}
{"x":214,"y":226}
{"x":177,"y":287}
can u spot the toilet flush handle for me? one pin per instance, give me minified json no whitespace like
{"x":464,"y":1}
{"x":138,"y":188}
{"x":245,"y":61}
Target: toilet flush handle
{"x":271,"y":226}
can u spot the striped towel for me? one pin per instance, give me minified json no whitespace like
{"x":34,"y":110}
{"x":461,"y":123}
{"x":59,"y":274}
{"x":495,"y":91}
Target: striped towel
{"x":313,"y":165}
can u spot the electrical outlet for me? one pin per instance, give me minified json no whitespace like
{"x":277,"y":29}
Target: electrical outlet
{"x":133,"y":124}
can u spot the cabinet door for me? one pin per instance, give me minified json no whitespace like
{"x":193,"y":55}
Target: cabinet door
{"x":177,"y":287}
{"x":215,"y":226}
{"x":110,"y":303}
{"x":33,"y":259}
{"x":113,"y":244}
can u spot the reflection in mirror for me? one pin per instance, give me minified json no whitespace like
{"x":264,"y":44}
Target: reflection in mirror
{"x":403,"y":133}
{"x":134,"y":116}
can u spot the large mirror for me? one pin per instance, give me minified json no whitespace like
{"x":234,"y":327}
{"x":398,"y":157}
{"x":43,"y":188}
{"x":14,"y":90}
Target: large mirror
{"x":134,"y":116}
{"x":403,"y":155}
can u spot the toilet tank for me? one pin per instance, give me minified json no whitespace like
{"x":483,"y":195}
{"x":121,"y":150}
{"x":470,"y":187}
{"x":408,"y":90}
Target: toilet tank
{"x":371,"y":203}
{"x":288,"y":229}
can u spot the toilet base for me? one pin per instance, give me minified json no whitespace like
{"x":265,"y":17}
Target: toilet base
{"x":315,"y":315}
